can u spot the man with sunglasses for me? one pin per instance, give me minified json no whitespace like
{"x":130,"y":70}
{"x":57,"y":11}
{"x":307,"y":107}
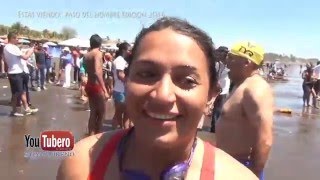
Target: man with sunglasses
{"x":244,"y":129}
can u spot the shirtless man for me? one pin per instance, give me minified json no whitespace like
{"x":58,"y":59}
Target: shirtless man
{"x":245,"y":128}
{"x":95,"y":87}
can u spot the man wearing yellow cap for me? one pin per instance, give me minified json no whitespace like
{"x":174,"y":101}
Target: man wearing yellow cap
{"x":245,"y":127}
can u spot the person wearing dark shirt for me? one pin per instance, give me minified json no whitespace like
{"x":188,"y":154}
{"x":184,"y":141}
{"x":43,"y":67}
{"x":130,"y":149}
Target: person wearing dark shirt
{"x":41,"y":67}
{"x":48,"y":62}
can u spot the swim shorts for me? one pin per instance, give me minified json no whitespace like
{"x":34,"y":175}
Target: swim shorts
{"x":93,"y":89}
{"x":119,"y":97}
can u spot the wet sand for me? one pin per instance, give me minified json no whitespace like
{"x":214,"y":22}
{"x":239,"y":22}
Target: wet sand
{"x":294,"y":156}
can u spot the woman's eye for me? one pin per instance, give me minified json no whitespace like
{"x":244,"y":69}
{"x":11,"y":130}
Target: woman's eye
{"x":188,"y":83}
{"x":190,"y":80}
{"x":145,"y":74}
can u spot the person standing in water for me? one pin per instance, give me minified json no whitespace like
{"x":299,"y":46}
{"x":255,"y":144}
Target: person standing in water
{"x":245,"y":128}
{"x":95,"y":87}
{"x":307,"y":85}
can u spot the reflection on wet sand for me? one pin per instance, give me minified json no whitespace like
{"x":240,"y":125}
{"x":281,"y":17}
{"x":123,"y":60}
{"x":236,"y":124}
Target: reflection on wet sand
{"x":294,"y":155}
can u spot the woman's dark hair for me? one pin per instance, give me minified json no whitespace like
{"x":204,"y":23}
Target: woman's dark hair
{"x":122,"y":47}
{"x":185,"y":28}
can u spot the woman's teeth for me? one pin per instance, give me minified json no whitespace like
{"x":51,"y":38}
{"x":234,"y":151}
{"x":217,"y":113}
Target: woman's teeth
{"x":161,"y":116}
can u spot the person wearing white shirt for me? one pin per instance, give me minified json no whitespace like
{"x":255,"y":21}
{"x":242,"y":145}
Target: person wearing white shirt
{"x":119,"y":66}
{"x":68,"y":63}
{"x":13,"y":57}
{"x":224,"y":81}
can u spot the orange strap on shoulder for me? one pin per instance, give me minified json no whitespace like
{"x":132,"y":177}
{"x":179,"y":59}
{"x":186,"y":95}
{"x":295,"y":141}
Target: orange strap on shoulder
{"x":103,"y":160}
{"x":207,"y":170}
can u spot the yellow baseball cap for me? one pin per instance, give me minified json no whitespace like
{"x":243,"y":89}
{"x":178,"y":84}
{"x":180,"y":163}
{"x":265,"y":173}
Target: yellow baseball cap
{"x":249,"y":50}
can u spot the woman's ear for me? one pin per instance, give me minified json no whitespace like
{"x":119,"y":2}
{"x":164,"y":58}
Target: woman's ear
{"x":213,"y":93}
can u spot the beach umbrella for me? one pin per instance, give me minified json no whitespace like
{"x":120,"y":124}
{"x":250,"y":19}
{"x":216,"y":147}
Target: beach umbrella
{"x":50,"y":44}
{"x":23,"y":41}
{"x":112,"y":47}
{"x":75,"y":42}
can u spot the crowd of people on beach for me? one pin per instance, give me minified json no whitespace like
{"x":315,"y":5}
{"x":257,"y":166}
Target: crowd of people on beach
{"x":163,"y":88}
{"x":276,"y":70}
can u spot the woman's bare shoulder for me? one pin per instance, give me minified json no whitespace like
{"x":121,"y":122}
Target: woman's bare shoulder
{"x":85,"y":153}
{"x":228,"y":168}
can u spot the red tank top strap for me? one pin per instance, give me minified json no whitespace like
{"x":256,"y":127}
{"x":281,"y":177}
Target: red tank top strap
{"x":103,"y":160}
{"x":207,"y":170}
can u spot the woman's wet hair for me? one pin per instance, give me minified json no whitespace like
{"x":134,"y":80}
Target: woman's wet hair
{"x":122,"y":47}
{"x":185,"y":28}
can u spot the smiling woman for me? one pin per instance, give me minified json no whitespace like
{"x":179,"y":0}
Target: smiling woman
{"x":170,"y":82}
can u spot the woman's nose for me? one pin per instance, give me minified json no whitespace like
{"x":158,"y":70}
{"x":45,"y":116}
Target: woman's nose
{"x":164,"y":91}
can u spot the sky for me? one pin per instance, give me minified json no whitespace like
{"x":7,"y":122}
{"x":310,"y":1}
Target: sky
{"x":280,"y":26}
